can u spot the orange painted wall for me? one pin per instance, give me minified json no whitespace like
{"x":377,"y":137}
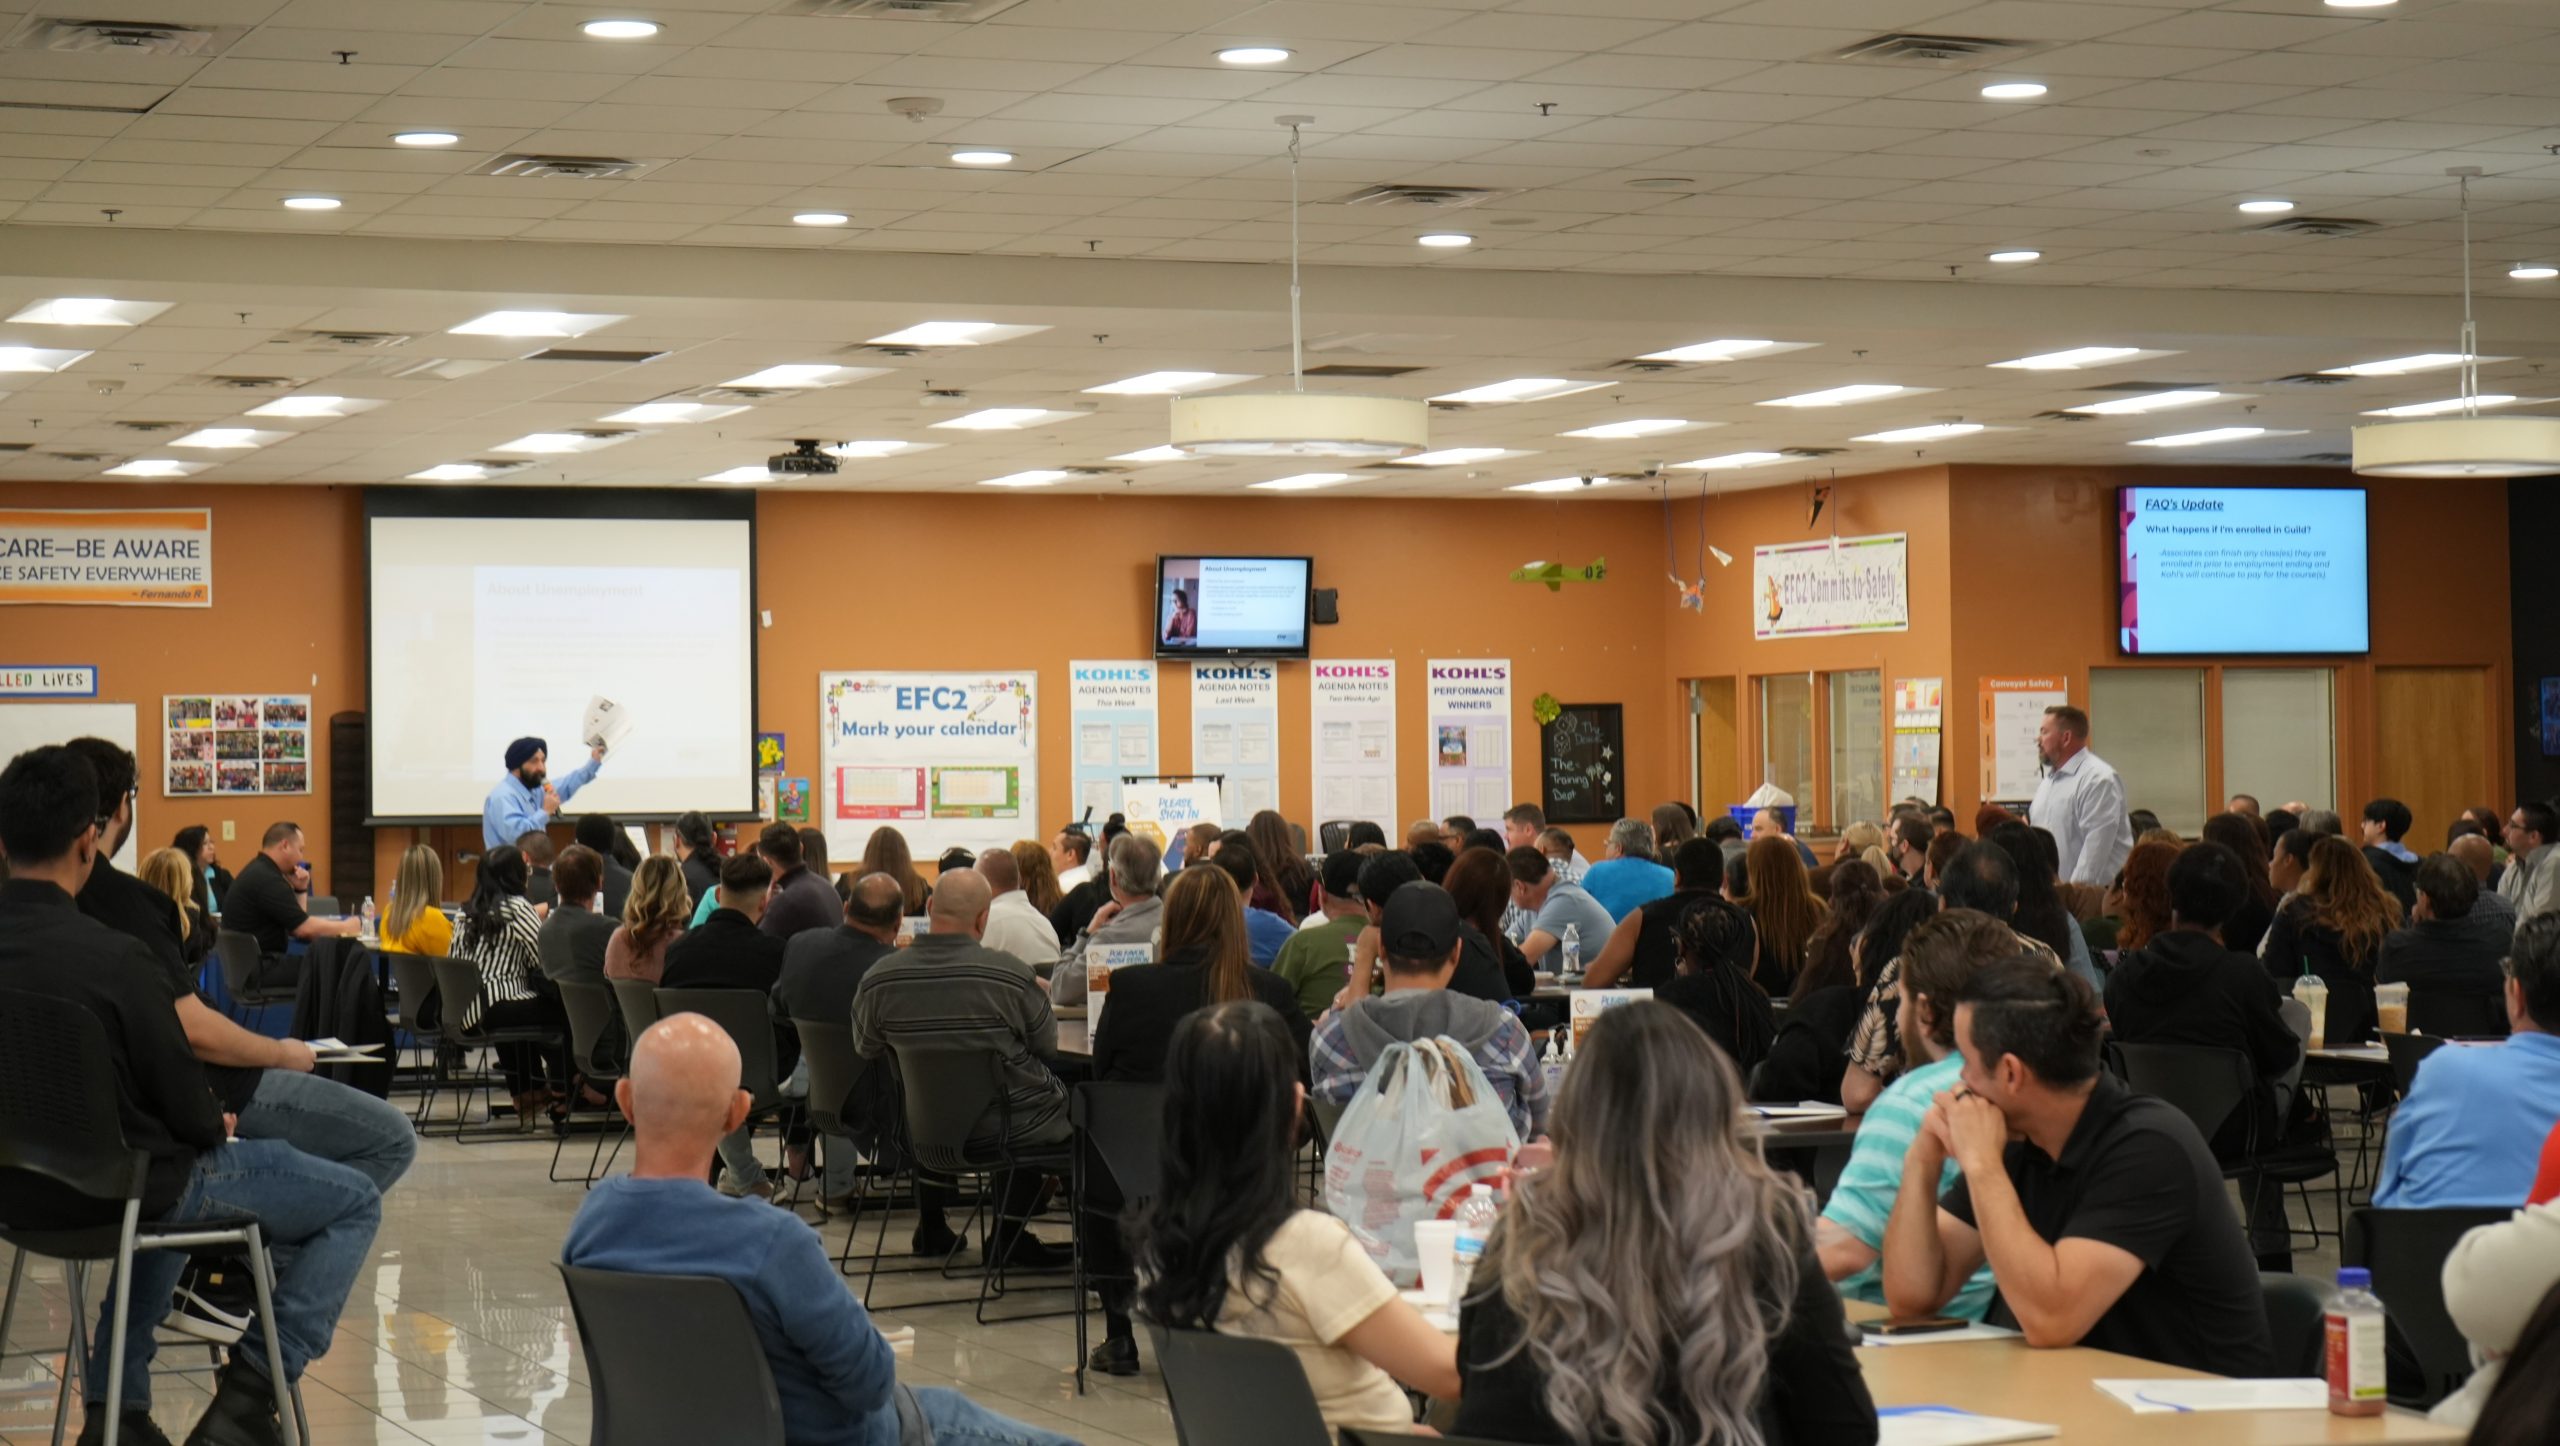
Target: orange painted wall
{"x":287,"y":617}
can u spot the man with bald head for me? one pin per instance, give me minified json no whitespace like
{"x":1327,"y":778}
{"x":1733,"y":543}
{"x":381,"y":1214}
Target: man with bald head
{"x":949,"y":993}
{"x":1014,"y":924}
{"x":834,"y":1374}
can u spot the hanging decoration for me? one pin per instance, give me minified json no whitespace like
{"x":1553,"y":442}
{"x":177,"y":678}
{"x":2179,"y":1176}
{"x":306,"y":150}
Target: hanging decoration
{"x":1693,"y":595}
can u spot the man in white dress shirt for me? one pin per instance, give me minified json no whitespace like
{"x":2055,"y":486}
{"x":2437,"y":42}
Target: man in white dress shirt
{"x":1071,"y":854}
{"x":2080,"y":802}
{"x":1014,"y":925}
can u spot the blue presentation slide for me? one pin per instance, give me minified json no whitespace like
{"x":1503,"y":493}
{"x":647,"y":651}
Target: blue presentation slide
{"x":2242,"y":570}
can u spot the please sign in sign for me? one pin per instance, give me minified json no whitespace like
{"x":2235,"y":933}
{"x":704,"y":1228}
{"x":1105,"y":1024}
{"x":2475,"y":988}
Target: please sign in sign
{"x":132,"y":557}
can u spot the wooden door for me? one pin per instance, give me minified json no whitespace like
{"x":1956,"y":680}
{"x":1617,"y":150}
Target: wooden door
{"x":2431,"y":747}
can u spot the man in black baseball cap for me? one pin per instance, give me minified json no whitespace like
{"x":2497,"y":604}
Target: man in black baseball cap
{"x":1317,"y":958}
{"x":1419,"y":940}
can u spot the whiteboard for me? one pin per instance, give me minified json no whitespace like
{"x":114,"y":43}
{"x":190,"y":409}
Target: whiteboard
{"x":33,"y":725}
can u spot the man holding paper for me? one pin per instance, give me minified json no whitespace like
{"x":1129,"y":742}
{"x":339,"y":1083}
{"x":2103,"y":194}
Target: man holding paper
{"x":527,"y":797}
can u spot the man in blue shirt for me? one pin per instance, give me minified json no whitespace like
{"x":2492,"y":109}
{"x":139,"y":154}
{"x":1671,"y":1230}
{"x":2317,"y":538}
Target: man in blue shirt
{"x":523,"y":800}
{"x":835,"y":1375}
{"x":2471,"y":1130}
{"x":1628,"y":876}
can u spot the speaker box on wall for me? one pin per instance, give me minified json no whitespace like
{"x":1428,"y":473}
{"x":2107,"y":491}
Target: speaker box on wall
{"x":1325,"y":611}
{"x":350,"y":842}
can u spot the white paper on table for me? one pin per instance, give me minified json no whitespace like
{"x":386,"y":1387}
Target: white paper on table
{"x":1974,"y":1332}
{"x":1448,"y":796}
{"x":1338,"y":744}
{"x":607,"y":723}
{"x":2162,"y":1397}
{"x":1137,"y":743}
{"x":1253,"y":743}
{"x":1800,"y":1112}
{"x":1217,"y":744}
{"x":1093,"y":743}
{"x":1947,"y":1426}
{"x":1493,"y":795}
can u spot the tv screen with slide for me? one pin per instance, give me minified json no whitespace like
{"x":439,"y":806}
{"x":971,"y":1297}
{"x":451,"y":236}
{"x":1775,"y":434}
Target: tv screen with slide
{"x":1232,"y":607}
{"x":499,"y":614}
{"x":2241,"y":570}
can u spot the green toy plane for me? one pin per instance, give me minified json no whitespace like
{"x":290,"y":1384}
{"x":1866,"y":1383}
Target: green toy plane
{"x":1555,"y":574}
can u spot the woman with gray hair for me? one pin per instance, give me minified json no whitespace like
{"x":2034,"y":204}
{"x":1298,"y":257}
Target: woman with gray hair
{"x":1656,"y":1285}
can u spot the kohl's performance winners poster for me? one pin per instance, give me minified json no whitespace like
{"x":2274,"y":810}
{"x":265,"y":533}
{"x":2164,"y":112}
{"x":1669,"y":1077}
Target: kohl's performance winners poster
{"x":948,"y":759}
{"x":1468,"y":708}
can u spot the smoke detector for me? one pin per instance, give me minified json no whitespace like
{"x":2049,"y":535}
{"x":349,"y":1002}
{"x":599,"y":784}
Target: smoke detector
{"x":914,"y":107}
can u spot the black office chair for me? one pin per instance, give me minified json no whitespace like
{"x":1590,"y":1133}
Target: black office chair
{"x":59,"y":1123}
{"x":242,"y":967}
{"x":746,"y":1016}
{"x":638,"y":999}
{"x":459,"y":987}
{"x":1123,"y":1127}
{"x":1333,"y":834}
{"x":2297,"y":1321}
{"x":414,"y":976}
{"x":1232,"y":1389}
{"x":2406,"y":1250}
{"x":591,"y":1028}
{"x":2452,"y":1014}
{"x":950,"y":1088}
{"x":2405,"y":1051}
{"x":672,"y":1360}
{"x":2207,"y":1085}
{"x":323,"y":906}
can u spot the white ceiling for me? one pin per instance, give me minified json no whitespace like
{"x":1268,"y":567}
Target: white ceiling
{"x":1823,"y":202}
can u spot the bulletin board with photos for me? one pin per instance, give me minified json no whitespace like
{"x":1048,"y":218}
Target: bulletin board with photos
{"x":238,"y":743}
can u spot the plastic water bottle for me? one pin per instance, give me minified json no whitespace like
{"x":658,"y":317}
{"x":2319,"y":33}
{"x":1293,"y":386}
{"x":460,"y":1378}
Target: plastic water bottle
{"x":1572,"y":952}
{"x":368,"y":915}
{"x":1475,"y":1223}
{"x":2355,"y":1361}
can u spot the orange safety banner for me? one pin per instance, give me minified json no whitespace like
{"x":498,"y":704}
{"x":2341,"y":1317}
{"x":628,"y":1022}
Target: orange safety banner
{"x":124,"y":557}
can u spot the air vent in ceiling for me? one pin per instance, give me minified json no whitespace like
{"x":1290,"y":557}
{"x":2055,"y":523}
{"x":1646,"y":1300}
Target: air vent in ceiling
{"x":2310,"y":379}
{"x":340,"y":341}
{"x":1093,"y":471}
{"x":12,"y":447}
{"x":2317,"y":226}
{"x":253,"y":384}
{"x":1359,"y":369}
{"x":148,"y":427}
{"x":492,"y":466}
{"x":560,"y":168}
{"x":591,"y":354}
{"x":1420,"y":197}
{"x":900,"y":9}
{"x":1949,"y":51}
{"x":742,"y":396}
{"x":1800,"y":452}
{"x":2327,"y":459}
{"x":1641,"y":366}
{"x":116,"y":37}
{"x":85,"y":457}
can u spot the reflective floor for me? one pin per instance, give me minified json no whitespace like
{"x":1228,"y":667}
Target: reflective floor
{"x":459,"y":1331}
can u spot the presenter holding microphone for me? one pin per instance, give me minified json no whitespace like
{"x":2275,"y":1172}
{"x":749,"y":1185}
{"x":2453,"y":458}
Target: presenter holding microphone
{"x":524,"y":801}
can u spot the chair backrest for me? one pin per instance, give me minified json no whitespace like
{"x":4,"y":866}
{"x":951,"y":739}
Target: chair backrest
{"x":639,"y":1001}
{"x":1124,"y":1123}
{"x":833,"y":1067}
{"x":2205,"y":1084}
{"x":2406,"y":1250}
{"x":2404,"y":1051}
{"x":322,"y":906}
{"x":952,"y":1087}
{"x":2453,"y":1014}
{"x":589,"y":1006}
{"x":672,"y":1360}
{"x":2297,"y":1320}
{"x":1333,"y":834}
{"x":1228,"y":1389}
{"x":238,"y":955}
{"x":58,"y":1099}
{"x":747,"y":1016}
{"x":458,"y":987}
{"x":415,"y":974}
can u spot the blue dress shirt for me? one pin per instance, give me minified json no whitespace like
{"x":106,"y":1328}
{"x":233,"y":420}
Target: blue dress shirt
{"x":2471,"y":1130}
{"x":514,"y":810}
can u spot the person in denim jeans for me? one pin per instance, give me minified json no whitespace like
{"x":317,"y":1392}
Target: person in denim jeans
{"x":835,"y":1375}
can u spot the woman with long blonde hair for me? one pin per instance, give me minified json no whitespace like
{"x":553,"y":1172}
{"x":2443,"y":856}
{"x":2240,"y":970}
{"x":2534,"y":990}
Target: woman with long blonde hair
{"x":1039,"y":874}
{"x":652,"y":917}
{"x":887,"y":853}
{"x":417,"y":922}
{"x":1786,"y":909}
{"x":2332,"y":926}
{"x":1656,"y":1285}
{"x":174,"y":873}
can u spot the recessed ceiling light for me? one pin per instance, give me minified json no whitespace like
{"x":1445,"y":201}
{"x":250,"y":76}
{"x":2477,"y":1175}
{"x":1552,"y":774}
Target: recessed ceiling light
{"x":2012,"y":90}
{"x":2429,"y":361}
{"x":1302,"y":482}
{"x":311,"y":203}
{"x":2442,"y":407}
{"x":2071,"y":360}
{"x":36,"y":359}
{"x":1166,"y":384}
{"x":536,"y":323}
{"x":1444,"y":240}
{"x":1519,"y":389}
{"x":1839,"y":396}
{"x":1005,"y":419}
{"x":227,"y":438}
{"x":2266,"y":208}
{"x":820,"y":218}
{"x":1707,"y":351}
{"x":1452,"y":457}
{"x":669,"y":414}
{"x":2532,"y":272}
{"x":1640,"y":427}
{"x":1154,"y":454}
{"x":2013,"y":258}
{"x":556,"y":443}
{"x":620,"y":29}
{"x":1729,"y":461}
{"x":451,"y":472}
{"x":1563,"y":484}
{"x":791,"y":375}
{"x":2146,"y":402}
{"x":953,"y":333}
{"x":2360,"y":4}
{"x":1934,"y":432}
{"x":736,"y":475}
{"x":981,"y":158}
{"x":857,"y":451}
{"x":314,"y":407}
{"x":1252,"y":55}
{"x":1036,"y":477}
{"x":425,"y":138}
{"x":90,"y":311}
{"x":2203,"y":438}
{"x":156,"y":467}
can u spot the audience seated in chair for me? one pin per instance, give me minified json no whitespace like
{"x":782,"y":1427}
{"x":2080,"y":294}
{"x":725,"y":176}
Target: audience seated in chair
{"x":2492,"y":1282}
{"x":2455,"y":940}
{"x":2470,"y":1128}
{"x":831,"y":1368}
{"x":1132,"y":915}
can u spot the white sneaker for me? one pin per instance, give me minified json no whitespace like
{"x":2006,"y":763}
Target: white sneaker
{"x":193,"y":1315}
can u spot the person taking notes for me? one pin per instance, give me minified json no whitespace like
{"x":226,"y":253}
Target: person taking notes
{"x":526,"y":799}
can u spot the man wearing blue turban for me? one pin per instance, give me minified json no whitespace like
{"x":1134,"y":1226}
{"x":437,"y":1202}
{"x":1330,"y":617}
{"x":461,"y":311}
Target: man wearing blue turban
{"x":524,"y":800}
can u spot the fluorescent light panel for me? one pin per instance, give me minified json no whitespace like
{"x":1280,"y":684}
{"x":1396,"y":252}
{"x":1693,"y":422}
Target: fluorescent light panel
{"x":1562,"y":484}
{"x":1639,"y":427}
{"x":1154,"y":454}
{"x":1303,"y":482}
{"x":157,"y":467}
{"x":2400,"y":366}
{"x":229,"y":438}
{"x":90,"y":311}
{"x":314,"y":406}
{"x":1166,"y":384}
{"x":536,"y":323}
{"x":2446,"y":407}
{"x":954,"y":333}
{"x":740,"y":474}
{"x":1455,"y":456}
{"x":36,"y":358}
{"x":2145,"y":402}
{"x":451,"y":472}
{"x":2073,"y":359}
{"x":1519,"y":389}
{"x":1036,"y":477}
{"x":1722,"y":351}
{"x":670,"y":414}
{"x":548,"y":444}
{"x":793,"y":375}
{"x":1005,"y":419}
{"x":1843,"y":396}
{"x":1729,"y":462}
{"x":1934,"y":432}
{"x":2204,"y":438}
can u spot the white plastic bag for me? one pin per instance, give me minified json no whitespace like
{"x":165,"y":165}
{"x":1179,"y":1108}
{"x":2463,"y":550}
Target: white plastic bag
{"x":1425,"y":1125}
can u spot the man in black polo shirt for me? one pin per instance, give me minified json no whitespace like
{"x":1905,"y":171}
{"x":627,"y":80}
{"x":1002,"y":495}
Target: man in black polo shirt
{"x":2100,"y":1211}
{"x":266,"y":900}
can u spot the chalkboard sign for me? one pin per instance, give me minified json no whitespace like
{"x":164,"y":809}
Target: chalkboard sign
{"x":1582,"y":764}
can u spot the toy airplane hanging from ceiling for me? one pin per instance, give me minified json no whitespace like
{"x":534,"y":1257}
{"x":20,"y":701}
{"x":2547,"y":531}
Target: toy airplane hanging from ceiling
{"x":1555,"y":574}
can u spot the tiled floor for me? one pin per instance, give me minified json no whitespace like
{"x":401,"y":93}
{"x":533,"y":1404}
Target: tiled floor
{"x":459,"y":1331}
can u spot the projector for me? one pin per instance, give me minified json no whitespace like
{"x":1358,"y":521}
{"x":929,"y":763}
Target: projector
{"x":804,"y":460}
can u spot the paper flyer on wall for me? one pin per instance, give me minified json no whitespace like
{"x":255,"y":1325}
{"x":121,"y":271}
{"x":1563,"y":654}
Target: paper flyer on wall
{"x":1111,"y":716}
{"x":1161,"y":809}
{"x":1351,"y":708}
{"x":2012,"y":711}
{"x":1467,"y":712}
{"x":948,"y":759}
{"x":1918,"y":708}
{"x":1235,"y":731}
{"x":236,"y":743}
